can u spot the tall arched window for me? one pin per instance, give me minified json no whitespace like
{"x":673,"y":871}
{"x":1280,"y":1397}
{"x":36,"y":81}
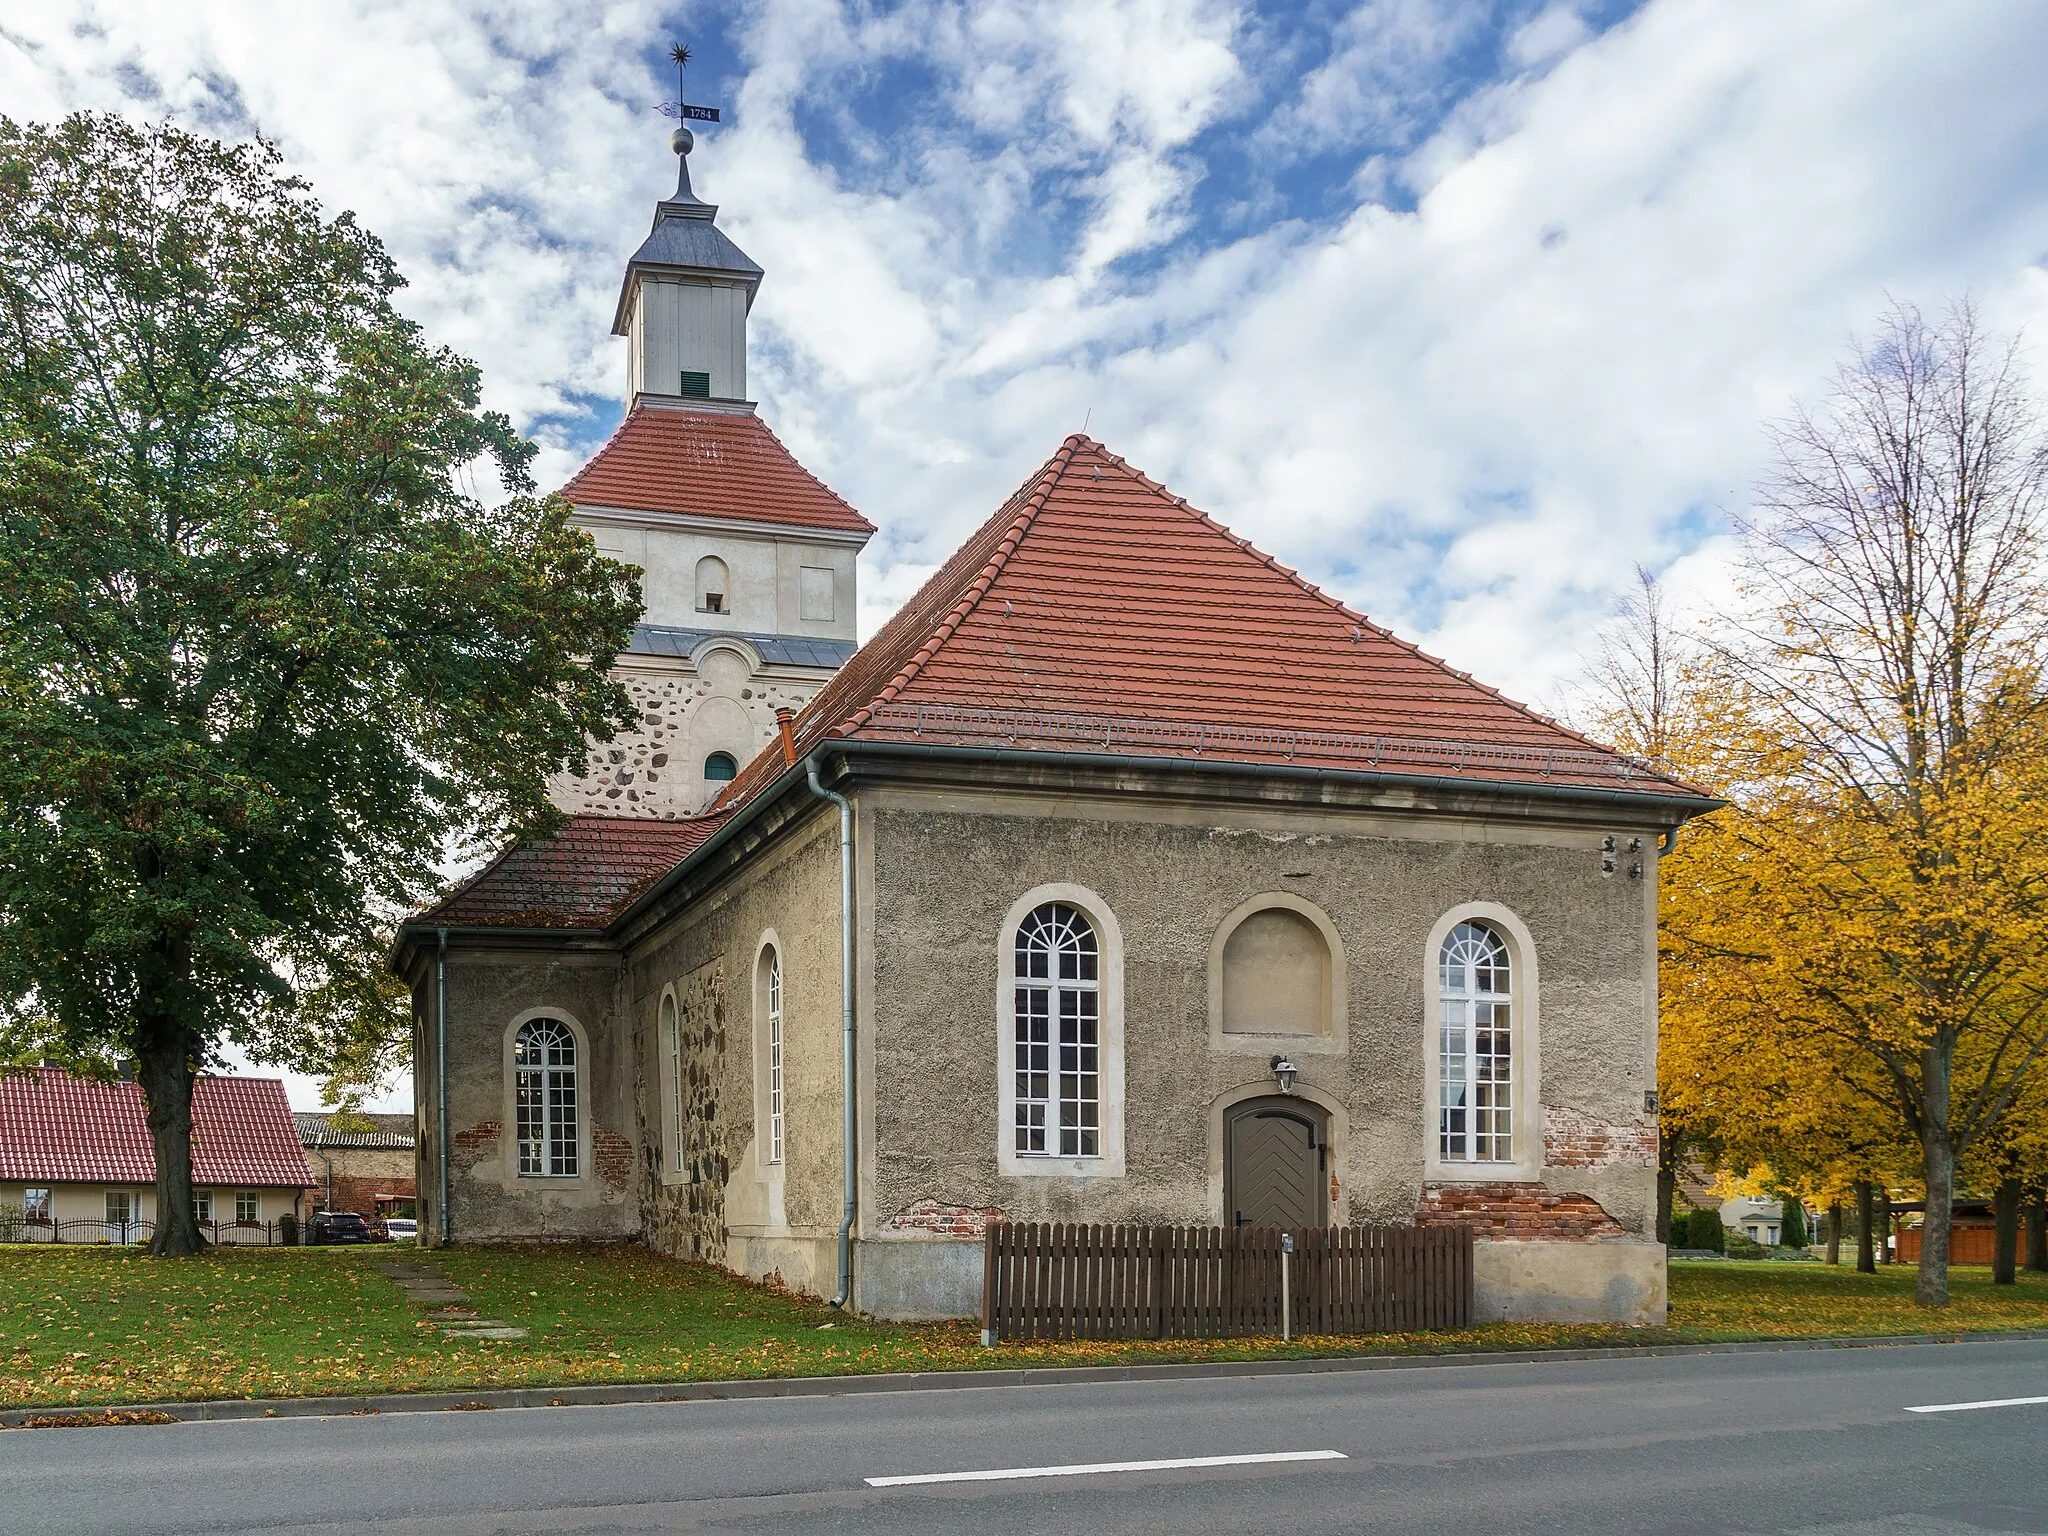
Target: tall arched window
{"x":1475,"y":1080}
{"x":544,"y":1063}
{"x":713,"y":585}
{"x":672,"y":1070}
{"x":771,"y":1004}
{"x":1058,"y":1035}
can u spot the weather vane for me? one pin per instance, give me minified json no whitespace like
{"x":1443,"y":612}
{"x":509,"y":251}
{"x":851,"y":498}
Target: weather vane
{"x":680,"y":108}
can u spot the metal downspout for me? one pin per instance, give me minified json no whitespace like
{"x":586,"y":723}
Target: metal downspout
{"x":441,"y":1077}
{"x":850,"y":1151}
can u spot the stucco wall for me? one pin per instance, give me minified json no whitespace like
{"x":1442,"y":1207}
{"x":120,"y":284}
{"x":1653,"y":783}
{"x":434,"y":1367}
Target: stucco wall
{"x":729,"y":1205}
{"x":491,"y":990}
{"x":946,"y":870}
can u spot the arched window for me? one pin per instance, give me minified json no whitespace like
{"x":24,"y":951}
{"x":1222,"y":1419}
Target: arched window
{"x":544,"y":1063}
{"x":672,"y":1071}
{"x":720,"y":766}
{"x":1058,"y":1035}
{"x":1475,"y":1081}
{"x":771,"y":1049}
{"x":713,"y":584}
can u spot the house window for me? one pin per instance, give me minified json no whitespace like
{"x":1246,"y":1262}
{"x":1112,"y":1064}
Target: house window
{"x":719,"y":767}
{"x":1475,"y":1083}
{"x":672,"y":1063}
{"x":713,"y":583}
{"x":544,"y":1062}
{"x":202,"y":1205}
{"x":694,"y":385}
{"x":248,"y":1209}
{"x":1058,"y":1035}
{"x":768,"y":1041}
{"x":35,"y":1205}
{"x":120,"y":1217}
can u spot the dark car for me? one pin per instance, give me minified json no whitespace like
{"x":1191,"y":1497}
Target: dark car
{"x":340,"y":1227}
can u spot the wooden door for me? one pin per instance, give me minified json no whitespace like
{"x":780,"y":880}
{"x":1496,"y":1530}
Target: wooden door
{"x":1275,"y":1164}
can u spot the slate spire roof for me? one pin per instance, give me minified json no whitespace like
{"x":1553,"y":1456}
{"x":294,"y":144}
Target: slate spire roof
{"x":1098,"y":611}
{"x":685,"y":241}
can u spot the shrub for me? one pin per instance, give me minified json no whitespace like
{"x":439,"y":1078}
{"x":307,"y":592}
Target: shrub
{"x":1703,"y":1230}
{"x":1681,"y":1230}
{"x":1792,"y":1226}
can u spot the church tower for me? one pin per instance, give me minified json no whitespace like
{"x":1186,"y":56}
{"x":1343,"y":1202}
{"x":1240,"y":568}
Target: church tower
{"x":748,"y":559}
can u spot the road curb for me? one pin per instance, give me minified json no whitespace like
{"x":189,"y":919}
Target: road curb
{"x":937,"y":1381}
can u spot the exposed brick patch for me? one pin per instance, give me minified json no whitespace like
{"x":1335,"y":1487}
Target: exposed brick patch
{"x":613,"y":1155}
{"x":1572,"y":1139}
{"x":479,"y":1137}
{"x":943,"y":1220}
{"x":1527,"y":1212}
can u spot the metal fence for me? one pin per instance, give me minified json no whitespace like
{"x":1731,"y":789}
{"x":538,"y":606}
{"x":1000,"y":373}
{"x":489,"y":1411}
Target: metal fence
{"x":249,"y":1234}
{"x":1117,"y":1282}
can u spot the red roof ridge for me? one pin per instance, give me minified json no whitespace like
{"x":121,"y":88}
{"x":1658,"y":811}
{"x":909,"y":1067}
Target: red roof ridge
{"x":1045,"y":478}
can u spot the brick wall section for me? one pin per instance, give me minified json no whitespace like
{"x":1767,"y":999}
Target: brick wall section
{"x":482,"y":1137}
{"x":613,"y":1155}
{"x":355,"y":1192}
{"x":1516,"y":1212}
{"x":1575,"y":1140}
{"x":942,"y":1220}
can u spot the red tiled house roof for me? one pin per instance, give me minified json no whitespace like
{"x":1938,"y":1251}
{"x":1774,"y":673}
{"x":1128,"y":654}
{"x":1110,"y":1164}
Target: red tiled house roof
{"x":60,"y":1129}
{"x":708,"y":464}
{"x":1097,"y":611}
{"x":582,"y":877}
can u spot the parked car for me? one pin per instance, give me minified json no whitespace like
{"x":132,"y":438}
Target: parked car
{"x":340,"y":1227}
{"x":401,"y":1228}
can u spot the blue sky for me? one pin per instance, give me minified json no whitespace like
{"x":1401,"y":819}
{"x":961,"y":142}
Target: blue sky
{"x":1461,"y":309}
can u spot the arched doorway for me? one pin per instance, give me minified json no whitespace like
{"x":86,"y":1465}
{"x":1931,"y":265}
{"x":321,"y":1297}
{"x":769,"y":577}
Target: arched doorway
{"x":1276,"y":1163}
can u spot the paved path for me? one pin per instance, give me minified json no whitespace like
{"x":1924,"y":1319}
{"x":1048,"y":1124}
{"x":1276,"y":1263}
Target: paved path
{"x":447,"y":1303}
{"x":1812,"y":1442}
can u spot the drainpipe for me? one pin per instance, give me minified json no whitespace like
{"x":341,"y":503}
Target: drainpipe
{"x":850,"y":1151}
{"x":441,"y":1073}
{"x":315,"y":1150}
{"x":1666,"y":841}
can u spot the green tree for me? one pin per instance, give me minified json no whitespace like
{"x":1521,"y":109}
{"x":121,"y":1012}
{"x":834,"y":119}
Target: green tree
{"x":269,"y":658}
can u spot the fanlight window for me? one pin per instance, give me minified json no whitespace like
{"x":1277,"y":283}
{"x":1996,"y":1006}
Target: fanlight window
{"x":544,"y":1061}
{"x":1059,"y":1035}
{"x":1475,"y":1115}
{"x":719,"y":767}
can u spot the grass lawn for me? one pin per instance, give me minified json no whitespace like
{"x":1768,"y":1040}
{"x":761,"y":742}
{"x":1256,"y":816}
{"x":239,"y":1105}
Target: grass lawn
{"x":106,"y":1325}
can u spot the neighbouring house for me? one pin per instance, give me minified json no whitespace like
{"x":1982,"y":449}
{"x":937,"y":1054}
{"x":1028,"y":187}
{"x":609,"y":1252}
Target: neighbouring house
{"x":366,"y":1166}
{"x":1123,"y":876}
{"x":1761,"y":1218}
{"x":76,"y":1155}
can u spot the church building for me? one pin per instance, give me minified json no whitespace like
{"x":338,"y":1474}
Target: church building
{"x":1123,"y":876}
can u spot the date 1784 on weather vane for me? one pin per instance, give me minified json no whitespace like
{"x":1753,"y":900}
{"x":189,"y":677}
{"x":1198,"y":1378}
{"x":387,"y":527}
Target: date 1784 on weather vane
{"x":679,"y":109}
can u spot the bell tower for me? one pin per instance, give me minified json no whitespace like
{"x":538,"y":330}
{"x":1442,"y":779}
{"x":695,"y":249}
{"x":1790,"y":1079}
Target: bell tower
{"x":747,"y":559}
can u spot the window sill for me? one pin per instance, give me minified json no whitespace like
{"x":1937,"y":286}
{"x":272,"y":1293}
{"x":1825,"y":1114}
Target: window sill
{"x":1014,"y":1165}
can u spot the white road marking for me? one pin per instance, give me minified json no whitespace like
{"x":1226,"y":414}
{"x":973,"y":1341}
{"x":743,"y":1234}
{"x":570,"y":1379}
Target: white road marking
{"x":1086,"y":1468}
{"x":1996,"y":1402}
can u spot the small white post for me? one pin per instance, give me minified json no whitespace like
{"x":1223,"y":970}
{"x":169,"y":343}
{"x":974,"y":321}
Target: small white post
{"x":1286,"y":1299}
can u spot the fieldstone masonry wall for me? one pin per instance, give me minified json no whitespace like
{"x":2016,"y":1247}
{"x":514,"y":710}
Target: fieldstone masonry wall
{"x":686,"y":1215}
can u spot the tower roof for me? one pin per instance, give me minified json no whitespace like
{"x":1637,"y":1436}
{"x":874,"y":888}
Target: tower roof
{"x":702,"y":462}
{"x":1097,"y":611}
{"x":684,"y":242}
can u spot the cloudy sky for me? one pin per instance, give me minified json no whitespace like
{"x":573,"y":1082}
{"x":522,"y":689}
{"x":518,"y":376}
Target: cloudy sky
{"x":1461,"y":308}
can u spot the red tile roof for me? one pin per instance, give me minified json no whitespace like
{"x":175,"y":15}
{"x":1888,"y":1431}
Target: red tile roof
{"x":708,"y":464}
{"x":60,"y":1129}
{"x":1097,"y":611}
{"x":582,"y":877}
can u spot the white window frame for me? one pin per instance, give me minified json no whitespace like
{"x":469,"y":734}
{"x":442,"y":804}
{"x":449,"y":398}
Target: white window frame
{"x":120,"y":1229}
{"x":516,"y":1158}
{"x":769,"y":989}
{"x":668,"y":1041}
{"x":202,"y":1205}
{"x":251,"y":1201}
{"x":34,"y":1209}
{"x":774,"y":1013}
{"x":1525,"y":1036}
{"x":1109,"y":992}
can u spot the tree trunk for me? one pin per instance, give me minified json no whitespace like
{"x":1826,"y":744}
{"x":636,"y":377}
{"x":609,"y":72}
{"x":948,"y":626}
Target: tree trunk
{"x":1884,"y":1233}
{"x":1866,"y":1258}
{"x":1668,"y":1154}
{"x":165,"y":1062}
{"x":2037,"y":1230}
{"x":1938,"y":1163}
{"x":2005,"y":1239}
{"x":1835,"y":1232}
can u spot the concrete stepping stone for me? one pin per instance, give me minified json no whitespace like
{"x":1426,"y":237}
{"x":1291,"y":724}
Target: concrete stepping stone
{"x":433,"y":1290}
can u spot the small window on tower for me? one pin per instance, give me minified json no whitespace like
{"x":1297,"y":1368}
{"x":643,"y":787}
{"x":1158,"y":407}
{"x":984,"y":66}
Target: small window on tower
{"x":712,"y":585}
{"x":719,"y":766}
{"x":695,"y":386}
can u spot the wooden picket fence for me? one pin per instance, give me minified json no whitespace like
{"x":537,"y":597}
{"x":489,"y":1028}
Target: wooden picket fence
{"x":1055,"y":1281}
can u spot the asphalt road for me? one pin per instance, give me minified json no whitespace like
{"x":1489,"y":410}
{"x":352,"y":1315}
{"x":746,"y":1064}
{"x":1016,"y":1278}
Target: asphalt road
{"x":1817,"y":1442}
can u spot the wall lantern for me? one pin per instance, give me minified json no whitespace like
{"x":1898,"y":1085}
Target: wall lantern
{"x":1284,"y":1072}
